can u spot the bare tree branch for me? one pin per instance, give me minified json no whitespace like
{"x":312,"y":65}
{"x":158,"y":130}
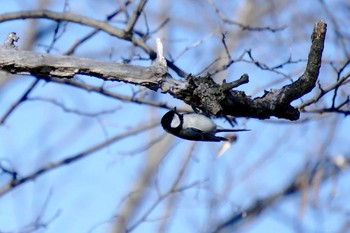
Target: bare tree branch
{"x":221,"y":39}
{"x":98,"y":24}
{"x":72,"y":49}
{"x":205,"y":94}
{"x":105,"y":92}
{"x":70,"y":159}
{"x":175,"y":188}
{"x":131,"y":23}
{"x":200,"y":92}
{"x":308,"y":176}
{"x":39,"y":64}
{"x":243,"y":27}
{"x":137,"y":195}
{"x":18,"y":102}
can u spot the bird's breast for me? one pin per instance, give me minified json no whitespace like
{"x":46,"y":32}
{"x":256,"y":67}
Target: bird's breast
{"x":199,"y":122}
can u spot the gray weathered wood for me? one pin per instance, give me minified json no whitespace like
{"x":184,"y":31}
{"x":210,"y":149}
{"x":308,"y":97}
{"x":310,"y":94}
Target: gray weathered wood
{"x":199,"y":92}
{"x":24,"y":62}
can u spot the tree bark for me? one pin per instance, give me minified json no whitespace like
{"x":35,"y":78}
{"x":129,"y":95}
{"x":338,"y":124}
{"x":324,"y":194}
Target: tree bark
{"x":199,"y":92}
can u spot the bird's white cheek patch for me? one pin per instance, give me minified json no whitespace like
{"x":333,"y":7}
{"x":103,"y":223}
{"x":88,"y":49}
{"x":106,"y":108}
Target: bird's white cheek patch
{"x":175,"y":122}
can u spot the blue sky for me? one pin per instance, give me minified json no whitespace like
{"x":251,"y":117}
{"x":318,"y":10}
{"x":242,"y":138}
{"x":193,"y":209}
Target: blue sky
{"x":84,"y":196}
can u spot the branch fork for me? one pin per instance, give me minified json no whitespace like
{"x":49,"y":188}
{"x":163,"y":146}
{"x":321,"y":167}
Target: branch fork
{"x":199,"y":92}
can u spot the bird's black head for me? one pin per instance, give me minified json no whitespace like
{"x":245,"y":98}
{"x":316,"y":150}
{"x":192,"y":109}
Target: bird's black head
{"x":172,"y":121}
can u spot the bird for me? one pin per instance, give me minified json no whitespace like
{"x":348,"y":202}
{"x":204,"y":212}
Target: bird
{"x":193,"y":126}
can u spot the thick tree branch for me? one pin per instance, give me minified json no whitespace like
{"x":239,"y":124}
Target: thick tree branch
{"x":200,"y":92}
{"x":87,"y":21}
{"x":40,"y":64}
{"x":205,"y":94}
{"x":308,"y":80}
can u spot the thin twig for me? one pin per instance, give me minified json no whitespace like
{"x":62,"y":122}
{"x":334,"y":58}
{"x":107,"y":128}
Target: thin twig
{"x":73,"y":158}
{"x":19,"y":101}
{"x":72,"y":49}
{"x":132,"y":21}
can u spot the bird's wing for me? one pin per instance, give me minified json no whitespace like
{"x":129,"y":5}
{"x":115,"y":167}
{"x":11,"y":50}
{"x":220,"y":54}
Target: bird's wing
{"x":198,"y":135}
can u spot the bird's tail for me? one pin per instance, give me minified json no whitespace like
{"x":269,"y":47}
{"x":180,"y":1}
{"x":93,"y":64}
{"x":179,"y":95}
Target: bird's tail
{"x":231,"y":130}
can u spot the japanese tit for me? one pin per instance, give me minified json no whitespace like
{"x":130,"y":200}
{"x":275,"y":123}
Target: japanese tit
{"x":193,"y":126}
